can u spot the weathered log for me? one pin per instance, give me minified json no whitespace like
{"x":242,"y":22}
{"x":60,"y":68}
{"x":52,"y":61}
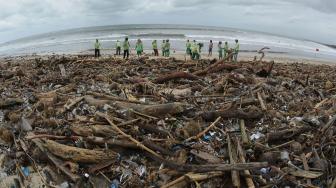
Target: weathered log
{"x":233,"y":160}
{"x":215,"y":167}
{"x":111,"y":142}
{"x":175,"y":76}
{"x":265,"y":71}
{"x":213,"y":66}
{"x":100,"y":130}
{"x":10,"y":102}
{"x":56,"y":161}
{"x":183,"y":180}
{"x":206,"y":156}
{"x":241,"y":154}
{"x":156,"y":147}
{"x":249,"y":113}
{"x":287,"y":134}
{"x":220,"y":67}
{"x":129,"y":137}
{"x":157,"y":110}
{"x":79,"y":154}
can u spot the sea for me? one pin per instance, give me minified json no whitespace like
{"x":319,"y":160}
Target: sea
{"x":81,"y":40}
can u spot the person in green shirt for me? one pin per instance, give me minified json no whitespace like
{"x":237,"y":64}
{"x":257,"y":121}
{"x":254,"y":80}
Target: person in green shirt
{"x":226,"y":49}
{"x":97,"y":46}
{"x":188,"y":51}
{"x":194,"y":50}
{"x":155,"y":48}
{"x":220,"y":50}
{"x":167,"y":48}
{"x":126,"y":47}
{"x":163,"y":45}
{"x":235,"y":51}
{"x":139,"y":47}
{"x":118,"y":47}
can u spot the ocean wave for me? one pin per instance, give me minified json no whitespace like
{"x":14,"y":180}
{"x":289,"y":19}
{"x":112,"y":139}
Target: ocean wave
{"x":160,"y":35}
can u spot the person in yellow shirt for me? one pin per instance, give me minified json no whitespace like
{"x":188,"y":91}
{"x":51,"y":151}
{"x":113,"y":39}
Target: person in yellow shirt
{"x":195,"y":50}
{"x":126,"y":47}
{"x":118,"y":47}
{"x":155,"y":48}
{"x":97,"y":46}
{"x":163,"y":45}
{"x":226,"y":49}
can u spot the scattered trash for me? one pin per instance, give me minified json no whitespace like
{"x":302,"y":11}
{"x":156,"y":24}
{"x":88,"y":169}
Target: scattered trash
{"x":25,"y":171}
{"x":148,"y":122}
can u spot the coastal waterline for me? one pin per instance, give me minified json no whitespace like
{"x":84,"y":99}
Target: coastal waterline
{"x":81,"y":40}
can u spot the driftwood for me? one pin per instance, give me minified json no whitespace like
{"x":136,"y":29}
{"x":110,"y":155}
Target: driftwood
{"x":205,"y":130}
{"x":79,"y":154}
{"x":157,"y":110}
{"x":58,"y":163}
{"x":182,"y":181}
{"x":265,"y":71}
{"x":129,"y":137}
{"x":214,"y":167}
{"x":287,"y":134}
{"x":251,"y":113}
{"x":175,"y":76}
{"x":213,"y":66}
{"x":99,"y":130}
{"x":10,"y":102}
{"x":233,"y":159}
{"x":241,"y":154}
{"x":219,"y":66}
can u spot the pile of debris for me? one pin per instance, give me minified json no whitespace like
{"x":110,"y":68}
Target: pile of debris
{"x":81,"y":122}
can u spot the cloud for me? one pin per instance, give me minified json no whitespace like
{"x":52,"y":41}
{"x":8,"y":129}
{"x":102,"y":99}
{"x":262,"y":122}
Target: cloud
{"x":296,"y":18}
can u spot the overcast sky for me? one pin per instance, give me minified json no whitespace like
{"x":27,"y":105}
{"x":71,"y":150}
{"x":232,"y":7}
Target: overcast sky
{"x":309,"y":19}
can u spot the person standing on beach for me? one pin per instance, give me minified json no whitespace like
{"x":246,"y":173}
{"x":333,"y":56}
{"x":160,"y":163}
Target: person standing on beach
{"x":235,"y":51}
{"x":118,"y":47}
{"x":188,"y":51}
{"x":139,"y":47}
{"x":195,"y":50}
{"x":126,"y":47}
{"x":155,"y":48}
{"x":167,"y":48}
{"x":163,"y":45}
{"x":210,"y":48}
{"x":220,"y":50}
{"x":226,"y":49}
{"x":97,"y":48}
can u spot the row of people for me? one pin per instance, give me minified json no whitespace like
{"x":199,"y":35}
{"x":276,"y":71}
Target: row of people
{"x":193,"y":49}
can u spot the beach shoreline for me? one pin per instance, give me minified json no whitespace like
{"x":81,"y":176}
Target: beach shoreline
{"x":180,"y":55}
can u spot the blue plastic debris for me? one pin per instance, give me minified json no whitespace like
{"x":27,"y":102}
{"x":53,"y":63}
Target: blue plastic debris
{"x":25,"y":171}
{"x":114,"y":184}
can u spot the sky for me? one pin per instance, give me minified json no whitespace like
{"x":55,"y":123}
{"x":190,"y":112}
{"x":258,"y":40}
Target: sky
{"x":304,"y":19}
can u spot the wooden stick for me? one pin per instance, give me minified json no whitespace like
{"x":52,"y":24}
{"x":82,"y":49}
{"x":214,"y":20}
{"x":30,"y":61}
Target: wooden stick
{"x":128,"y":136}
{"x":52,"y":137}
{"x":281,"y":145}
{"x":241,"y":155}
{"x":128,"y":122}
{"x":194,"y":177}
{"x":204,"y":131}
{"x":305,"y":166}
{"x":320,"y":103}
{"x":262,"y":104}
{"x":245,"y":138}
{"x":145,"y":115}
{"x":114,"y":98}
{"x":234,"y":173}
{"x":72,"y":103}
